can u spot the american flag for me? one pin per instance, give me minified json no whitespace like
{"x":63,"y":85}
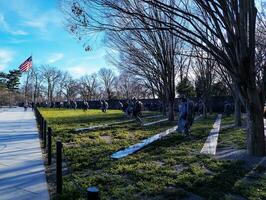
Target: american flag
{"x":26,"y":65}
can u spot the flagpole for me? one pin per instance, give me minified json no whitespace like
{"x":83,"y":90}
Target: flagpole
{"x":26,"y":86}
{"x":27,"y":82}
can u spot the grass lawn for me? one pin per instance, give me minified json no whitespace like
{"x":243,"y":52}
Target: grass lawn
{"x":231,"y":137}
{"x":168,"y":169}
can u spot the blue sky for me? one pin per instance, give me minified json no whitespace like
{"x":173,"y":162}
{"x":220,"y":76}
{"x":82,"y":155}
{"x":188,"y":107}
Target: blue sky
{"x":36,"y":27}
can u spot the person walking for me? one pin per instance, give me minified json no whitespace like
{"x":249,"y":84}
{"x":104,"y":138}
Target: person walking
{"x":26,"y":105}
{"x":32,"y":106}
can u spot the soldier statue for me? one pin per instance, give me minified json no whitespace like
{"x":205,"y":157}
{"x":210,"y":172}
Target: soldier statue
{"x":137,"y":109}
{"x":186,"y":116}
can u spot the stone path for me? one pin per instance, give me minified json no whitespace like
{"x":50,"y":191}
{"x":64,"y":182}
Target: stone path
{"x":22,"y":173}
{"x":112,"y":124}
{"x":4,"y":108}
{"x":211,"y":142}
{"x":136,"y":147}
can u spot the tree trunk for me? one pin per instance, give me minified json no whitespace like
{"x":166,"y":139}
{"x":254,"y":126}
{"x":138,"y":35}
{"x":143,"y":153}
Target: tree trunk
{"x":204,"y":109}
{"x":237,"y":115}
{"x":237,"y":105}
{"x":171,"y":110}
{"x":163,"y":107}
{"x":255,"y":126}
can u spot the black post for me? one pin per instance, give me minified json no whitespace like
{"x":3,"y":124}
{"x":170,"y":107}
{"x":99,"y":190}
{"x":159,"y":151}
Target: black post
{"x":49,"y":145}
{"x":93,"y":193}
{"x":44,"y":133}
{"x":59,"y":179}
{"x":41,"y":128}
{"x":38,"y":116}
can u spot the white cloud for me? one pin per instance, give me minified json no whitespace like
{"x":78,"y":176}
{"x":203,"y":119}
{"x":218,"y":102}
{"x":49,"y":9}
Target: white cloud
{"x":6,"y":56}
{"x":19,"y":32}
{"x":43,"y":22}
{"x":13,"y":40}
{"x":81,"y":70}
{"x":55,"y":57}
{"x":36,"y":23}
{"x":6,"y":27}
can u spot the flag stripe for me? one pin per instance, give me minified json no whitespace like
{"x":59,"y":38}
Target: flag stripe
{"x":26,"y":65}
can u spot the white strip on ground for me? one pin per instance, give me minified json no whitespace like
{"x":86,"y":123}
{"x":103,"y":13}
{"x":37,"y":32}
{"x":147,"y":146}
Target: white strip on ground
{"x":136,"y":147}
{"x":197,"y":117}
{"x":264,"y":127}
{"x":156,"y":122}
{"x":153,"y":116}
{"x":103,"y":125}
{"x":211,"y":142}
{"x":111,"y":124}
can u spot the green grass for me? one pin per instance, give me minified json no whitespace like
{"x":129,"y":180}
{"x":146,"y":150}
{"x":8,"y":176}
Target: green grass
{"x":253,"y":186}
{"x":171,"y":168}
{"x":231,"y":137}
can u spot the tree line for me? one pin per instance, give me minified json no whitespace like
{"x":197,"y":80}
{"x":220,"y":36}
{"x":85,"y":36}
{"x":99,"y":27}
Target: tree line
{"x":51,"y":84}
{"x":9,"y":86}
{"x":158,"y":39}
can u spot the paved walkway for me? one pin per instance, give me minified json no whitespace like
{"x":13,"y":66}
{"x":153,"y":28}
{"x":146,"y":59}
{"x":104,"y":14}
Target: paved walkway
{"x":211,"y":142}
{"x":22,"y":173}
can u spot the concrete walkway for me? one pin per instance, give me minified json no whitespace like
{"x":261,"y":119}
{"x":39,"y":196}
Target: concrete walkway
{"x":22,"y":173}
{"x":211,"y":142}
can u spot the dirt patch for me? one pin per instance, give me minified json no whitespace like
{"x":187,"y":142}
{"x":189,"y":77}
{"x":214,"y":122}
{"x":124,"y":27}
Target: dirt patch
{"x":107,"y":139}
{"x":158,"y":163}
{"x":180,"y":168}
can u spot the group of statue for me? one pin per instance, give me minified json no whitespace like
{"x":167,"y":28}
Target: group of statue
{"x":188,"y":109}
{"x":104,"y":106}
{"x":28,"y":104}
{"x":133,"y":108}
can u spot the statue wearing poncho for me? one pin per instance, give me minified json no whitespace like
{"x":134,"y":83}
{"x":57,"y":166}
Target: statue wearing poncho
{"x":186,"y":116}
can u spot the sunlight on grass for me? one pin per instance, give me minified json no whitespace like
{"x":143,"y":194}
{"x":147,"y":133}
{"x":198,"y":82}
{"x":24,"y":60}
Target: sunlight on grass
{"x":171,"y":168}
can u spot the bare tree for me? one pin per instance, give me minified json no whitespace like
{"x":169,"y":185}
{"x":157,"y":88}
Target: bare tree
{"x":37,"y":83}
{"x":69,"y":87}
{"x":51,"y":76}
{"x":230,"y":26}
{"x":88,"y":86}
{"x":107,"y":78}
